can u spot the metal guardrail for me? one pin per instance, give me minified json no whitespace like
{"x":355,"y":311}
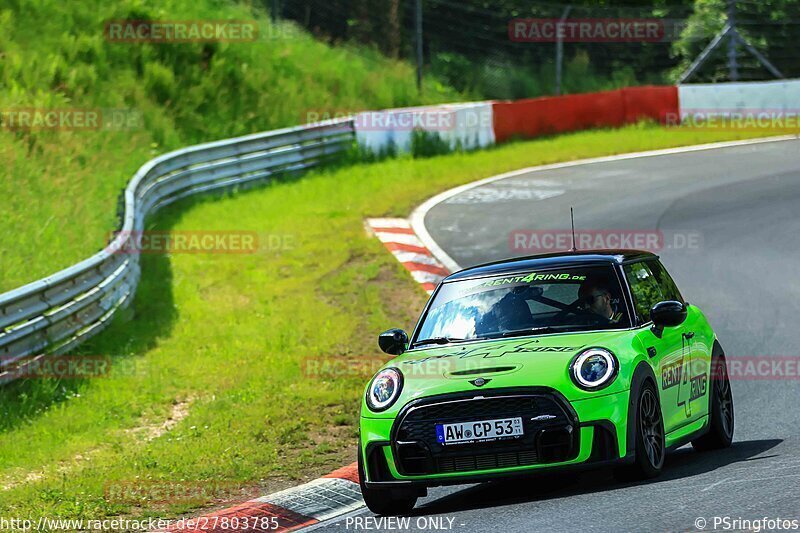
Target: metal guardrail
{"x":56,"y":313}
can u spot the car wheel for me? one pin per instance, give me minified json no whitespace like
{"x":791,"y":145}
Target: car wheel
{"x":650,"y":445}
{"x":721,"y":423}
{"x":384,"y":502}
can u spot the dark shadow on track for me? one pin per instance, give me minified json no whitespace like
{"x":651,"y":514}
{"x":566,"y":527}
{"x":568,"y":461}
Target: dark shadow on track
{"x":684,"y":463}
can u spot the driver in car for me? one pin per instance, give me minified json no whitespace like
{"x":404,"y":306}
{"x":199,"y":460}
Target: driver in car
{"x":598,"y":300}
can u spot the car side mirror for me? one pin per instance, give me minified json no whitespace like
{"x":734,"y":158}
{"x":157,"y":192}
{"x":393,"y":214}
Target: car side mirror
{"x":667,"y":314}
{"x":393,"y":341}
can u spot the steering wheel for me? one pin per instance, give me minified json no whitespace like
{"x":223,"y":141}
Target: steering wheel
{"x":574,"y":309}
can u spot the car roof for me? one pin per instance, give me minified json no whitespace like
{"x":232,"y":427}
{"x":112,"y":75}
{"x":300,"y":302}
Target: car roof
{"x":551,"y":260}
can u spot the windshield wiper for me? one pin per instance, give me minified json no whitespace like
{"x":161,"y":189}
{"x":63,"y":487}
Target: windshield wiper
{"x":543,"y":329}
{"x":440,"y":340}
{"x":529,"y":331}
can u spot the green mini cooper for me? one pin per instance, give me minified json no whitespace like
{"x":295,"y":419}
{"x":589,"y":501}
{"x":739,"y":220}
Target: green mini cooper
{"x":558,"y":361}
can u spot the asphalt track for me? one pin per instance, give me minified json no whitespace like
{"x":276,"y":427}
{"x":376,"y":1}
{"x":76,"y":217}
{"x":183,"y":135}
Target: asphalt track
{"x":739,"y":209}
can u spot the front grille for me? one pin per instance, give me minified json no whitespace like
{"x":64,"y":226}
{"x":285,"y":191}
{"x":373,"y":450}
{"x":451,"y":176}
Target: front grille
{"x":420,"y":423}
{"x":550,"y":438}
{"x":470,"y":463}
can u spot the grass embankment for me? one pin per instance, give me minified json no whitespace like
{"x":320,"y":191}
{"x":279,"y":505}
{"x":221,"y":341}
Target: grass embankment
{"x":59,"y":187}
{"x":210,"y":373}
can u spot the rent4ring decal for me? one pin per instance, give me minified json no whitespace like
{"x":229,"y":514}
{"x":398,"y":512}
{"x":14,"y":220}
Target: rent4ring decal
{"x":483,"y":352}
{"x":533,"y":276}
{"x":691,"y":385}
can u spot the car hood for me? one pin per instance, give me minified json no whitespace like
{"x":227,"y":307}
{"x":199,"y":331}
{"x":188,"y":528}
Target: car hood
{"x":541,"y":360}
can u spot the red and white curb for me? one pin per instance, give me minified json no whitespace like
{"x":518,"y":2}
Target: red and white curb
{"x":400,"y":239}
{"x":325,"y":498}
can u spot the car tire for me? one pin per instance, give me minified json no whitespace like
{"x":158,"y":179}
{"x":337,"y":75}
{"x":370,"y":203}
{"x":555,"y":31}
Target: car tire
{"x":650,"y":442}
{"x":721,"y":421}
{"x":384,"y":502}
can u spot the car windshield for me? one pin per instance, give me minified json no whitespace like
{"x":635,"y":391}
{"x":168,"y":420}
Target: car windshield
{"x":546,"y":301}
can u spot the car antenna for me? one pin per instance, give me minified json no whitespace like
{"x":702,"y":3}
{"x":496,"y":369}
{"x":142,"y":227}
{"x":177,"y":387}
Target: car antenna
{"x":572,"y":219}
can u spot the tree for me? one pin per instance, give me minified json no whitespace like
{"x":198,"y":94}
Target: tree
{"x":772,"y":27}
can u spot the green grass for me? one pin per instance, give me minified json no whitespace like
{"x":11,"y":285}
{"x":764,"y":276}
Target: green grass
{"x":223,"y":340}
{"x":60,"y":188}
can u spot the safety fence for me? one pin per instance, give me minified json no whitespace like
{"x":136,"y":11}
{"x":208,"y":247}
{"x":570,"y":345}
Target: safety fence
{"x":721,"y":98}
{"x":55,"y":314}
{"x":607,"y":109}
{"x":480,"y":124}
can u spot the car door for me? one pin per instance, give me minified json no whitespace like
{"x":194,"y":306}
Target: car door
{"x":691,"y":400}
{"x":667,"y":351}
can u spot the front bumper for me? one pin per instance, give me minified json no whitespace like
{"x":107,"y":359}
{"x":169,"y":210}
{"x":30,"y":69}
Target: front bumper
{"x":403,"y":452}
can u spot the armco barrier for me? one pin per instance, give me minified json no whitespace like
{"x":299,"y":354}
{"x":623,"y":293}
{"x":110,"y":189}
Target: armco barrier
{"x":558,"y":114}
{"x":54,"y":314}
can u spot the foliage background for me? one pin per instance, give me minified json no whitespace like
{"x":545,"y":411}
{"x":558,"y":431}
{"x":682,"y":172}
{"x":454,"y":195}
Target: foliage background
{"x":466,"y":42}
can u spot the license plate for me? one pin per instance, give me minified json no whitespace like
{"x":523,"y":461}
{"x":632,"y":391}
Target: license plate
{"x":480,"y":431}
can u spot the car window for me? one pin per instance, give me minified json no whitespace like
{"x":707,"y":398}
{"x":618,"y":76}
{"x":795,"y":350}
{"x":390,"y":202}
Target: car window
{"x":644,"y":287}
{"x":665,"y":282}
{"x":558,"y":299}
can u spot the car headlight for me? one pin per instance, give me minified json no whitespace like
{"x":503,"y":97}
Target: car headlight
{"x":384,"y":389}
{"x":594,"y":369}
